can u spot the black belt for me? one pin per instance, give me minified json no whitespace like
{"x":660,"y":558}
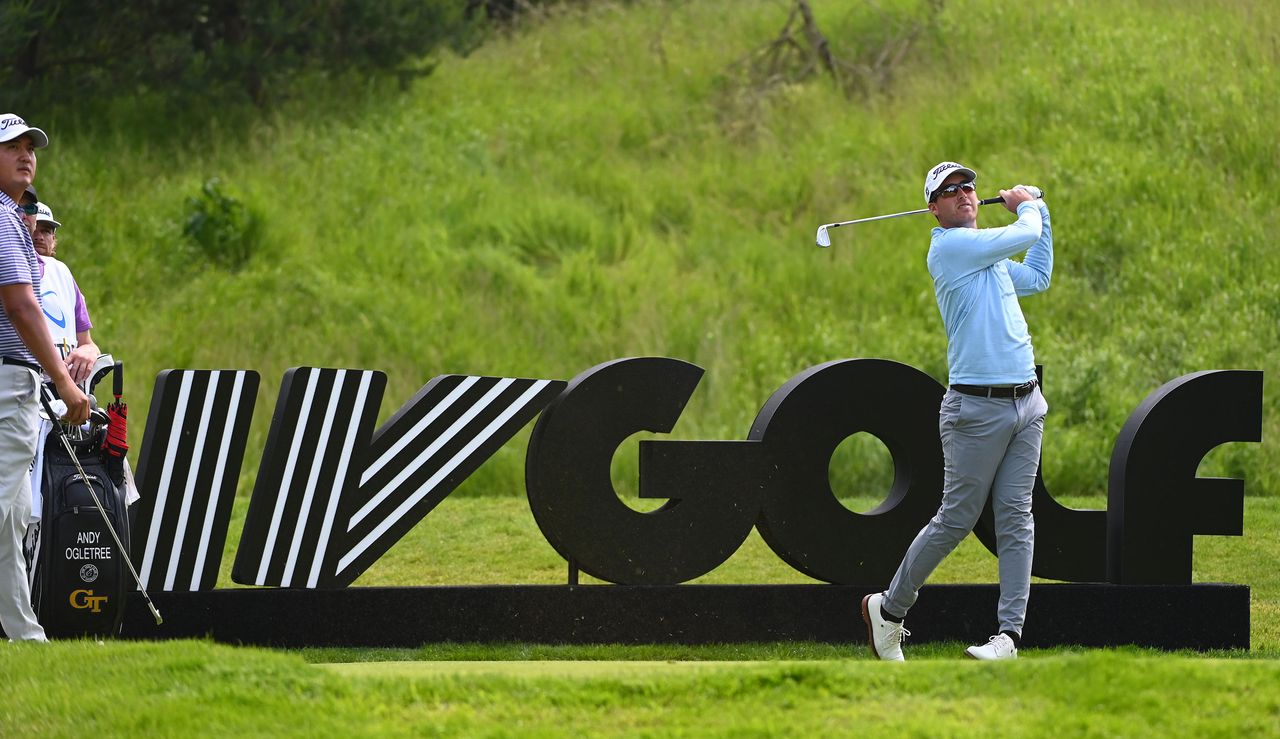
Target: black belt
{"x":985,"y":391}
{"x":21,"y":363}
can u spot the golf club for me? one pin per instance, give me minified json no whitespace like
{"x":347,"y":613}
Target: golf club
{"x":53,"y":417}
{"x":824,"y":239}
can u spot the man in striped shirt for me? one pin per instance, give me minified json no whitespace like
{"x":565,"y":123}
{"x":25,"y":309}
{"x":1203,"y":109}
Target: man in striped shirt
{"x":25,"y":347}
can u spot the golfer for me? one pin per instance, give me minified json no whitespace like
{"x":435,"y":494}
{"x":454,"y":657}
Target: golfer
{"x":991,"y":419}
{"x":24,"y":341}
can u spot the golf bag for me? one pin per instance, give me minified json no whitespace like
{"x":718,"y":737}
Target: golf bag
{"x":78,"y":576}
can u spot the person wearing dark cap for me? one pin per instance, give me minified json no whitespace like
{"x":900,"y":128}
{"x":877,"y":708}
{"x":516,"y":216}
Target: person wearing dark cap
{"x":991,"y":420}
{"x":29,"y":204}
{"x":25,"y":348}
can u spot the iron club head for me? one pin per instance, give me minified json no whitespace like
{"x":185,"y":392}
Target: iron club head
{"x":823,"y":239}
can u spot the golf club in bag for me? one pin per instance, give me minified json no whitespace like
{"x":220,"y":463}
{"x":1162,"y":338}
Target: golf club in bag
{"x":79,"y":577}
{"x":824,"y":239}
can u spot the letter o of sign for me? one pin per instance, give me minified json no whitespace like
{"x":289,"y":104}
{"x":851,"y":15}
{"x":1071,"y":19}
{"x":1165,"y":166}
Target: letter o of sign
{"x":801,"y":426}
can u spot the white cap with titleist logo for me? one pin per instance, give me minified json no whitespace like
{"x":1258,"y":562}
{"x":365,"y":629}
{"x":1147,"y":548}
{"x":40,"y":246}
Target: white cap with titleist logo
{"x":12,"y":126}
{"x":44,"y":215}
{"x":940,"y":173}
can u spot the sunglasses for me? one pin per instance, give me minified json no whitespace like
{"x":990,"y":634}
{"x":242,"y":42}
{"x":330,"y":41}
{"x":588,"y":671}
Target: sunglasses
{"x":950,"y":191}
{"x":29,"y":208}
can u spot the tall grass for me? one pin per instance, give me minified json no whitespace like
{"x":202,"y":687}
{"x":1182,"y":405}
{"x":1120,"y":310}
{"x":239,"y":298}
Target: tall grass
{"x":600,"y":184}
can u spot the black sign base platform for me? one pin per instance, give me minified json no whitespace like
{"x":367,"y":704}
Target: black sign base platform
{"x":1200,"y":616}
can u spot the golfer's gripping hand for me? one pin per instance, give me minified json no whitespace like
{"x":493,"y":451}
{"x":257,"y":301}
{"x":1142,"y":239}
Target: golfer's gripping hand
{"x":77,"y":403}
{"x":1015,"y":197}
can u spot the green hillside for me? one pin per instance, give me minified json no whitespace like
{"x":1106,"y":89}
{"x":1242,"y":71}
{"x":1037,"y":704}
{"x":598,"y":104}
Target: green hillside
{"x":608,"y":182}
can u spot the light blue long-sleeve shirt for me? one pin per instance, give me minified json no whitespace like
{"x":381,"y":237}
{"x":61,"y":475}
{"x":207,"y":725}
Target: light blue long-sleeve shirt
{"x":977,"y":286}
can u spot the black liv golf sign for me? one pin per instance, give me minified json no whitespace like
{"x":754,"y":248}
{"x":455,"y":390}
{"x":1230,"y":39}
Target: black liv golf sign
{"x":333,"y":494}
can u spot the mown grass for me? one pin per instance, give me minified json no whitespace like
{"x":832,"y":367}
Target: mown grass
{"x":196,"y":688}
{"x":601,"y":184}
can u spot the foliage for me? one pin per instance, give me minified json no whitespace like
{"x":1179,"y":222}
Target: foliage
{"x":95,"y":49}
{"x":226,"y":231}
{"x":511,"y":11}
{"x":578,"y":190}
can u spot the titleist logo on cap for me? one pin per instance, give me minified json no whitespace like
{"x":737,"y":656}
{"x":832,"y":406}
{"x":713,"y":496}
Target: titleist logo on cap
{"x":12,"y":120}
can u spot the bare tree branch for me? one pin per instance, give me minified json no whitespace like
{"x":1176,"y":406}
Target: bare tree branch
{"x":802,"y":50}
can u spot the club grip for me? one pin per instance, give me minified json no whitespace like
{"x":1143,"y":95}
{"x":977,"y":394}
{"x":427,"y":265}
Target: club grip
{"x":997,"y":199}
{"x":117,"y":380}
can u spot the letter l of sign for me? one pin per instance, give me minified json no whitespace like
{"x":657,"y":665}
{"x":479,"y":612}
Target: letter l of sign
{"x":1070,"y":543}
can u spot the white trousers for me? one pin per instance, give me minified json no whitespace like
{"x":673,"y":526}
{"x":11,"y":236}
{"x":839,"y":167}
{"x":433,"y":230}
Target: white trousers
{"x":19,"y":403}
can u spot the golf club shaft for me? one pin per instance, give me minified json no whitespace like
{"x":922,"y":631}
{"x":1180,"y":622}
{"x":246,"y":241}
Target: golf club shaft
{"x":988,"y":201}
{"x":155,"y":613}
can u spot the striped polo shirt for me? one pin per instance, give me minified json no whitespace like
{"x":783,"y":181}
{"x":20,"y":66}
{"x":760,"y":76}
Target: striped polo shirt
{"x":18,"y":264}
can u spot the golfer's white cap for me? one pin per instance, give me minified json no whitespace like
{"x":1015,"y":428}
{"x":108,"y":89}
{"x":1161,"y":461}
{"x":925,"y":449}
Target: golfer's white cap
{"x":940,"y":173}
{"x":44,"y":215}
{"x":11,"y":127}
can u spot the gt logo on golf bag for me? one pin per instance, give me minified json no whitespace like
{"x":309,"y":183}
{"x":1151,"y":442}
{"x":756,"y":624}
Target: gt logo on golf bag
{"x":82,"y":599}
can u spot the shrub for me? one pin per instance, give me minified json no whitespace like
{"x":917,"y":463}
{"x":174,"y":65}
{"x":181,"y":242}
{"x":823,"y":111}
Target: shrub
{"x":225,"y":230}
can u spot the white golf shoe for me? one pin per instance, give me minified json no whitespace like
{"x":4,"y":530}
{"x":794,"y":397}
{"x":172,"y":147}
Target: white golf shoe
{"x":999,"y":646}
{"x":884,"y":635}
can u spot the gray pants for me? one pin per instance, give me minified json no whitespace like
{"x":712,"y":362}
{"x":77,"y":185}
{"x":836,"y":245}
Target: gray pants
{"x":990,"y":446}
{"x":18,"y":417}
